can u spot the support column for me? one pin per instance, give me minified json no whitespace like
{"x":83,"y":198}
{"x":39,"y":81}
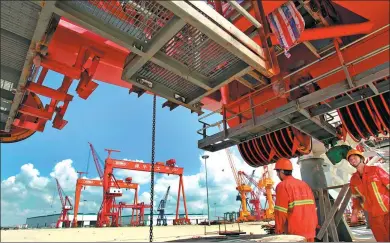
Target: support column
{"x":312,"y":172}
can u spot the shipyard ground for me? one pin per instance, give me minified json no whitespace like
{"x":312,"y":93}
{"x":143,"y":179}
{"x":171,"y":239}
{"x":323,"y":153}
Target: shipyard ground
{"x":141,"y":234}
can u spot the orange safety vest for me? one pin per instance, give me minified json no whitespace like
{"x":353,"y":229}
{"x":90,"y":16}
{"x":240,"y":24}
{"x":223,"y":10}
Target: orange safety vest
{"x":371,"y":191}
{"x":295,"y":206}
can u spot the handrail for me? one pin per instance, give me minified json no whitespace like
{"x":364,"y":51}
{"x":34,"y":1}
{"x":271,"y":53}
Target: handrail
{"x":314,"y":80}
{"x":299,"y":70}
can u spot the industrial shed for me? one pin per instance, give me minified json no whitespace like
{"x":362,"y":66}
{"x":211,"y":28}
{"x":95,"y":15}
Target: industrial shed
{"x":89,"y":220}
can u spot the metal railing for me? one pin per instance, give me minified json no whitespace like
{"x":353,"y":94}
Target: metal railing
{"x":249,"y":98}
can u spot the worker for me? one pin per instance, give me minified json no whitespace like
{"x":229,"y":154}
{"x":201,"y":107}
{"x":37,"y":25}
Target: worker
{"x":370,"y":192}
{"x":295,"y":209}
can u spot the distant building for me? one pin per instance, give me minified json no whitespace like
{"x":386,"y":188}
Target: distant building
{"x":89,"y":220}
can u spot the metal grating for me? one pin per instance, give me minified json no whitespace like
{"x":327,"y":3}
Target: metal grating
{"x":13,"y":50}
{"x":139,"y":19}
{"x":10,"y":75}
{"x":154,"y":73}
{"x":19,"y":17}
{"x":201,"y":54}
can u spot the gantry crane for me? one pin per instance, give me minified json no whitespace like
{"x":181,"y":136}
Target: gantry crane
{"x":118,"y":184}
{"x":109,"y":194}
{"x":255,"y":196}
{"x":266,"y":182}
{"x":242,"y":188}
{"x":162,"y":219}
{"x":66,"y":206}
{"x":82,"y":183}
{"x":136,"y":220}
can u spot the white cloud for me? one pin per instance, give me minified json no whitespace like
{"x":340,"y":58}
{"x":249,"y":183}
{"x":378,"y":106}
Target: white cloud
{"x":65,"y":174}
{"x":30,"y":177}
{"x":28,"y":194}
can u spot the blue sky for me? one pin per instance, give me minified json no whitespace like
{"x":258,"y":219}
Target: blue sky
{"x":109,"y":118}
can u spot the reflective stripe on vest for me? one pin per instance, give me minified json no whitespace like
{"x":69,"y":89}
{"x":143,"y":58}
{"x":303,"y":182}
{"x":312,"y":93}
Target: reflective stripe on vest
{"x":378,"y":196}
{"x":300,"y":202}
{"x":281,"y":209}
{"x":364,"y":199}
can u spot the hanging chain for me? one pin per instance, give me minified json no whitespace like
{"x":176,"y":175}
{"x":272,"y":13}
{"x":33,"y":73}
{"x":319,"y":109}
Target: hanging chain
{"x":152,"y":172}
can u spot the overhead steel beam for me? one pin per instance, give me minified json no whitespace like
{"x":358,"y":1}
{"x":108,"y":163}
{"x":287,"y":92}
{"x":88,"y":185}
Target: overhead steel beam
{"x":302,"y":128}
{"x":42,"y":24}
{"x":228,"y":26}
{"x":234,"y":75}
{"x":219,"y":140}
{"x":213,"y":31}
{"x":158,"y":41}
{"x":181,"y":70}
{"x":323,"y":124}
{"x":246,"y":83}
{"x":312,"y":48}
{"x":89,"y":22}
{"x":244,"y":13}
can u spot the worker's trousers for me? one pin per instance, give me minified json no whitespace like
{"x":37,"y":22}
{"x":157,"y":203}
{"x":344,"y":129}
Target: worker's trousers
{"x":380,"y":227}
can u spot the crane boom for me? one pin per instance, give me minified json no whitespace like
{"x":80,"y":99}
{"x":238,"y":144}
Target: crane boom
{"x":97,"y":160}
{"x":162,"y":219}
{"x":231,"y":163}
{"x":60,"y":193}
{"x":66,"y":205}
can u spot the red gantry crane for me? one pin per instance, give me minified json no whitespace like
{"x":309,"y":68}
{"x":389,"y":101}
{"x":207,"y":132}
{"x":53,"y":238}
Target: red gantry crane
{"x":66,"y":206}
{"x":108,"y":208}
{"x":139,"y":218}
{"x":82,"y":183}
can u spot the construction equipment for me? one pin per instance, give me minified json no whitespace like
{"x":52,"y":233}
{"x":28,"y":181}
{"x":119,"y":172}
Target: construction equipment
{"x":98,"y":162}
{"x":267,"y":183}
{"x":136,"y":220}
{"x":162,"y":219}
{"x":109,"y":194}
{"x":119,"y":184}
{"x":66,"y":206}
{"x":256,"y":212}
{"x":242,"y":188}
{"x":83,"y":183}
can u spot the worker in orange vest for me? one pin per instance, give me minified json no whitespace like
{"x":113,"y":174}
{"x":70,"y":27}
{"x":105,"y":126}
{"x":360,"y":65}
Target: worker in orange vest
{"x":295,"y":209}
{"x":370,"y":191}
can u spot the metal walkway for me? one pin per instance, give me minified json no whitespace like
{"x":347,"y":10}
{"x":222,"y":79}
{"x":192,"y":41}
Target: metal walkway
{"x":300,"y":113}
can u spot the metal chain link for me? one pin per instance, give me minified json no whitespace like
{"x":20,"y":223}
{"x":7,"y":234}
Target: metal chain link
{"x":152,"y":171}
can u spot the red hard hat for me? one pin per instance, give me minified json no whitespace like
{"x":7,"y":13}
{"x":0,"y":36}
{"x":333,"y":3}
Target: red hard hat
{"x":283,"y":164}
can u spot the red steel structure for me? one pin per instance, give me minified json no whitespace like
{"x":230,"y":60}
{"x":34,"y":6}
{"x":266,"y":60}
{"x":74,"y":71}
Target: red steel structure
{"x":83,"y":183}
{"x":66,"y":206}
{"x":169,"y":168}
{"x":139,"y":218}
{"x":225,"y":60}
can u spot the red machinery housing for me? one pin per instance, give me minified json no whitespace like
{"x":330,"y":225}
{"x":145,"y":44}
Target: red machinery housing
{"x":212,"y":56}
